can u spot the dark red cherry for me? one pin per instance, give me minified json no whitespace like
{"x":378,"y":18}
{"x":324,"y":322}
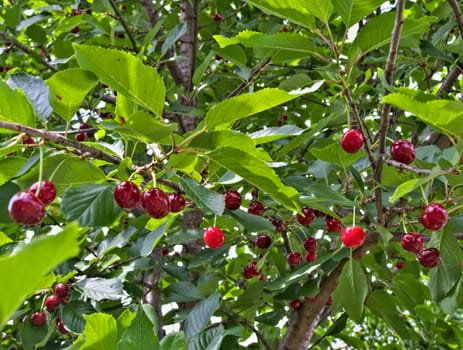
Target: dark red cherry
{"x":62,"y":290}
{"x":38,"y":318}
{"x":307,"y":217}
{"x":333,"y":225}
{"x":128,"y":195}
{"x":25,"y":208}
{"x":263,"y":241}
{"x":176,"y":202}
{"x":256,"y":208}
{"x":47,"y":191}
{"x":52,"y":302}
{"x":429,"y":257}
{"x":232,"y":200}
{"x":310,"y":244}
{"x":403,"y":151}
{"x":294,"y":258}
{"x":155,"y":203}
{"x":412,"y":242}
{"x":434,"y":217}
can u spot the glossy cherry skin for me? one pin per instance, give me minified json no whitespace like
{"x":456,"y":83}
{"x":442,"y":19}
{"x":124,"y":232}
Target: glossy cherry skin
{"x":352,"y":141}
{"x":28,"y":141}
{"x":434,"y":217}
{"x":232,"y":200}
{"x":295,"y":304}
{"x":412,"y":242}
{"x":52,"y":302}
{"x":62,"y":290}
{"x":310,"y":256}
{"x":294,"y":258}
{"x":263,"y":241}
{"x":353,"y":236}
{"x":80,"y":136}
{"x":155,"y":203}
{"x":47,"y":191}
{"x":333,"y":225}
{"x":176,"y":202}
{"x":399,"y":265}
{"x":310,"y":244}
{"x":403,"y":151}
{"x":307,"y":217}
{"x":280,"y":226}
{"x":256,"y":208}
{"x":128,"y":195}
{"x":25,"y":208}
{"x":213,"y":237}
{"x":429,"y":257}
{"x":60,"y":326}
{"x":250,"y":271}
{"x":38,"y":318}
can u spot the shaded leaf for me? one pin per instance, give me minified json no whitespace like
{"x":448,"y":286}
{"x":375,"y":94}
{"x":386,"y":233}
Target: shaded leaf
{"x":102,"y":288}
{"x":73,"y":315}
{"x":210,"y":339}
{"x":200,"y":315}
{"x":251,"y":222}
{"x":204,"y":198}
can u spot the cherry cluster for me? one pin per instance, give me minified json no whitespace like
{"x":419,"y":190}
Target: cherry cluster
{"x":81,"y":136}
{"x":28,"y":207}
{"x":155,"y":202}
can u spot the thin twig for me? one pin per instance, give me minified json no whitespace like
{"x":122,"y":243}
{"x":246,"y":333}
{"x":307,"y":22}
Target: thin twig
{"x":254,"y":74}
{"x":458,"y":16}
{"x":416,"y":170}
{"x":122,"y":21}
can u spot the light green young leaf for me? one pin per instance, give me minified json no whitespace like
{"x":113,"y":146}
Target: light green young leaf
{"x":334,"y":154}
{"x":100,"y":333}
{"x":68,"y":89}
{"x":352,"y":11}
{"x":275,"y":133}
{"x":140,"y":82}
{"x":352,"y":289}
{"x":21,"y":276}
{"x":15,"y":107}
{"x":200,"y":315}
{"x":412,"y":185}
{"x":258,"y":173}
{"x":9,"y":166}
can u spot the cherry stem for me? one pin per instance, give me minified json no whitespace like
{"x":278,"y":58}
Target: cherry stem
{"x":40,"y":171}
{"x":353,"y":216}
{"x":154,"y":179}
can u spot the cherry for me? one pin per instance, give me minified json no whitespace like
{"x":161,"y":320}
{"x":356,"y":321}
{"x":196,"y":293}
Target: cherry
{"x":52,"y":302}
{"x":47,"y":191}
{"x":429,"y":257}
{"x":318,"y":213}
{"x":256,"y":208}
{"x":76,"y":12}
{"x":218,"y":17}
{"x":250,"y":271}
{"x":403,"y":151}
{"x":333,"y":225}
{"x":412,"y":242}
{"x":284,"y":29}
{"x":80,"y":136}
{"x":176,"y":202}
{"x":310,"y":256}
{"x":25,"y":208}
{"x":399,"y":265}
{"x":295,"y":304}
{"x":156,"y":203}
{"x":353,"y":236}
{"x":165,"y":251}
{"x":434,"y":217}
{"x":310,"y":244}
{"x":213,"y":237}
{"x":352,"y":141}
{"x":294,"y":258}
{"x":60,"y":326}
{"x":232,"y":199}
{"x":75,"y":30}
{"x":279,"y":225}
{"x":62,"y":290}
{"x":263,"y":241}
{"x":128,"y":195}
{"x":307,"y":217}
{"x":28,"y":141}
{"x":38,"y":318}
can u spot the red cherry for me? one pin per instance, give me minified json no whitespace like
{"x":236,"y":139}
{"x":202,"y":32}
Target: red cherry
{"x":47,"y":191}
{"x":429,"y":257}
{"x":128,"y":195}
{"x":250,"y":270}
{"x":256,"y":208}
{"x":310,"y":244}
{"x":263,"y":241}
{"x":294,"y":258}
{"x":412,"y":242}
{"x":25,"y":208}
{"x":28,"y":141}
{"x":60,"y":326}
{"x":80,"y":136}
{"x":176,"y":202}
{"x":318,"y":213}
{"x":213,"y":237}
{"x":333,"y":225}
{"x":38,"y":318}
{"x":307,"y":218}
{"x":403,"y":151}
{"x":52,"y":302}
{"x":218,"y":17}
{"x":284,"y":29}
{"x":155,"y":203}
{"x":62,"y":290}
{"x":399,"y":265}
{"x":279,"y":225}
{"x":353,"y":236}
{"x":311,"y":256}
{"x":434,"y":217}
{"x":165,"y":251}
{"x":295,"y":304}
{"x":232,"y":199}
{"x":329,"y":301}
{"x":352,"y":141}
{"x":76,"y":12}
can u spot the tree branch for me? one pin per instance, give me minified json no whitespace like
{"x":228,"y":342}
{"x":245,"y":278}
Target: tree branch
{"x":254,"y":74}
{"x":458,"y":16}
{"x":122,"y":21}
{"x":416,"y":170}
{"x":384,"y":124}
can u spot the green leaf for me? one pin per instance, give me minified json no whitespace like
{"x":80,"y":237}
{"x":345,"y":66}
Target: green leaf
{"x":410,"y":290}
{"x":280,"y":46}
{"x":334,"y":154}
{"x":174,"y":35}
{"x":210,"y":339}
{"x":443,"y":115}
{"x":384,"y":233}
{"x":321,"y":191}
{"x":150,"y":241}
{"x":7,"y":191}
{"x":21,"y":276}
{"x":142,"y":126}
{"x":412,"y":185}
{"x":296,"y":11}
{"x":101,"y":288}
{"x":352,"y":11}
{"x":68,"y":88}
{"x":91,"y":205}
{"x":443,"y":278}
{"x":200,"y":315}
{"x":174,"y":341}
{"x":251,"y":222}
{"x":36,"y":92}
{"x":125,"y":74}
{"x":180,"y":292}
{"x":9,"y":166}
{"x":257,"y":173}
{"x":140,"y":335}
{"x":202,"y":68}
{"x":15,"y":107}
{"x":352,"y":289}
{"x":73,"y":315}
{"x":204,"y":198}
{"x":275,"y":133}
{"x":100,"y":333}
